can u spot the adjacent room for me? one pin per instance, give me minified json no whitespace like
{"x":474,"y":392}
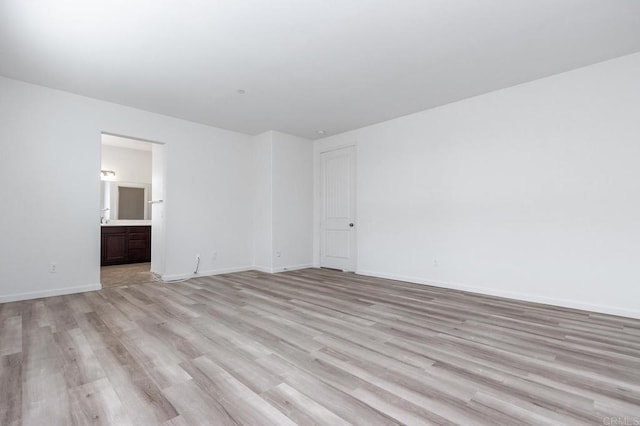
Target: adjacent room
{"x":125,"y":211}
{"x":320,"y":212}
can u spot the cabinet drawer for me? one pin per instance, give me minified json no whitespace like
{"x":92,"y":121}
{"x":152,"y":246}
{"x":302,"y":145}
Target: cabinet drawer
{"x":138,"y":244}
{"x":114,"y":230}
{"x":139,"y":229}
{"x":138,"y":236}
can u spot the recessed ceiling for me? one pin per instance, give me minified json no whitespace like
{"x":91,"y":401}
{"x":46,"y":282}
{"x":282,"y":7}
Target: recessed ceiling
{"x":304,"y":65}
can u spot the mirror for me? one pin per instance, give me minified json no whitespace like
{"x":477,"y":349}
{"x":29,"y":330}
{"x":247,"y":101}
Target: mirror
{"x":124,"y":201}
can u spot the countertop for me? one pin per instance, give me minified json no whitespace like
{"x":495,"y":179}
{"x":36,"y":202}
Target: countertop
{"x":127,"y":223}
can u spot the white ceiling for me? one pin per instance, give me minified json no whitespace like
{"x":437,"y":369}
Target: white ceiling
{"x":305,"y":65}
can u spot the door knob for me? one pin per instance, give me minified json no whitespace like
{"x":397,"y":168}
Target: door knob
{"x":351,"y":225}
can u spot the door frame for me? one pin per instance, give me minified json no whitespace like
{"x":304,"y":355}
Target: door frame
{"x":317,"y":203}
{"x":158,"y":251}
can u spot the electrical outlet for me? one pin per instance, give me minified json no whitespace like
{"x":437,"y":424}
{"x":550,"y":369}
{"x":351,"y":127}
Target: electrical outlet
{"x":278,"y":254}
{"x":214,"y":256}
{"x":53,"y":267}
{"x":436,"y":263}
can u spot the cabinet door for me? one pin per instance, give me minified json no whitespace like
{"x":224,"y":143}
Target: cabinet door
{"x":114,"y":248}
{"x":139,"y":244}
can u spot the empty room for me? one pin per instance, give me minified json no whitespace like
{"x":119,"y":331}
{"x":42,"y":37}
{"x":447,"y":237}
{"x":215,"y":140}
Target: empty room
{"x":420,"y":212}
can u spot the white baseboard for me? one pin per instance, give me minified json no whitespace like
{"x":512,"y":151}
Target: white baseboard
{"x":292,"y":268}
{"x":585,"y":306}
{"x":264,"y":269}
{"x":49,"y":293}
{"x":208,"y":273}
{"x":269,"y":270}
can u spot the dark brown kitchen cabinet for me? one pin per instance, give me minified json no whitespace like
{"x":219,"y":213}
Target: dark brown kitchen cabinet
{"x":125,"y":244}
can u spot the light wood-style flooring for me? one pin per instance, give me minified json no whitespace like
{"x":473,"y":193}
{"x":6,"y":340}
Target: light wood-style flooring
{"x":129,"y":274}
{"x":311,"y":347}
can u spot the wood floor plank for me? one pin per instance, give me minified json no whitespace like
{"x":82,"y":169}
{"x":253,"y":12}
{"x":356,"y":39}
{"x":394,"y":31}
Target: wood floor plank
{"x":80,"y":363}
{"x":11,"y":335}
{"x":343,"y":404}
{"x":59,"y":313}
{"x":197,"y":407}
{"x":45,"y":398}
{"x":237,"y":397}
{"x":27,"y":376}
{"x":399,"y":408}
{"x":244,"y":367}
{"x":97,"y":403}
{"x":142,"y":399}
{"x":418,"y":392}
{"x":44,"y":389}
{"x":300,"y":408}
{"x":11,"y":389}
{"x":311,"y":346}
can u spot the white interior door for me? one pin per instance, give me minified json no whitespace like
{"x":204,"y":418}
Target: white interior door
{"x":337,"y":221}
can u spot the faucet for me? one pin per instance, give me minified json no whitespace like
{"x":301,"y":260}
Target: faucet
{"x":102,"y":218}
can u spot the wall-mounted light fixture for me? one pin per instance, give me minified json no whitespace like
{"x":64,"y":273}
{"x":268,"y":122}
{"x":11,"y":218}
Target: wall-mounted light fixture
{"x":107,"y":173}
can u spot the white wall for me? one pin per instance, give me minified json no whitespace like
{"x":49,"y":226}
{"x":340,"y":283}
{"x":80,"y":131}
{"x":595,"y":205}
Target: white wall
{"x":531,"y":192}
{"x":212,"y":213}
{"x":262,"y":201}
{"x":49,"y":161}
{"x":292,"y":202}
{"x":130,"y":165}
{"x":283,"y":202}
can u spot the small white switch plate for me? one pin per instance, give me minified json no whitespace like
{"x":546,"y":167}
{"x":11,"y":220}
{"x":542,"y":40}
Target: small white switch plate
{"x":53,"y":267}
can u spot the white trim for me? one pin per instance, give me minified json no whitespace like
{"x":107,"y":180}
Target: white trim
{"x":130,"y":137}
{"x":291,"y":268}
{"x":174,"y":277}
{"x":585,"y":306}
{"x":49,"y":293}
{"x":336,"y":147}
{"x":264,"y":269}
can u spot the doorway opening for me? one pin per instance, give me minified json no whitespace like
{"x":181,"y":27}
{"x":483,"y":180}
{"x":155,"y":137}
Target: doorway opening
{"x":131,"y":216}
